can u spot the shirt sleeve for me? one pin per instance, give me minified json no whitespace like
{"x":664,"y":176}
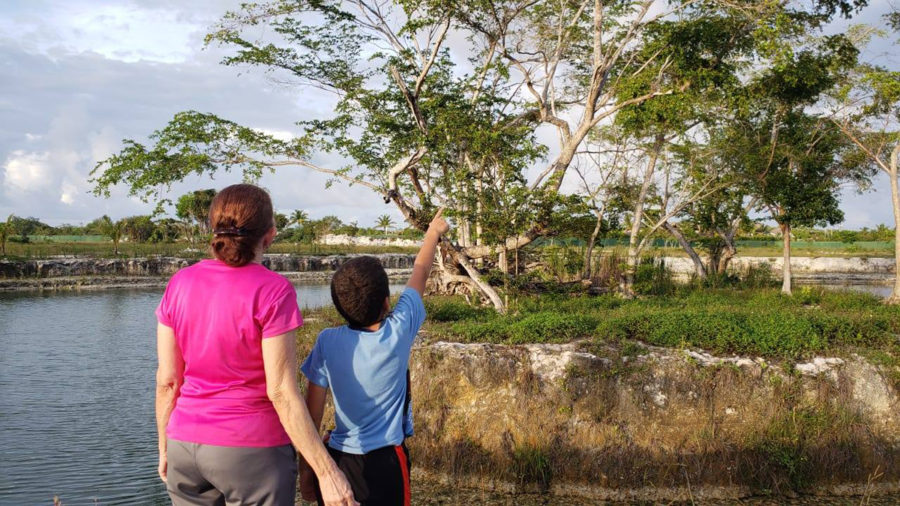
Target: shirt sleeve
{"x":164,"y":312}
{"x":280,"y":313}
{"x":314,"y":365}
{"x":409,"y":313}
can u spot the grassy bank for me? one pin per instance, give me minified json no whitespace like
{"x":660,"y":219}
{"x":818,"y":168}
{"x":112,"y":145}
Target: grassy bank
{"x":754,"y":322}
{"x":751,"y":321}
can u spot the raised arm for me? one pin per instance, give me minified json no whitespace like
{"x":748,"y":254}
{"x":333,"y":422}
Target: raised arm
{"x":280,"y":360}
{"x":425,"y":258}
{"x":169,"y":377}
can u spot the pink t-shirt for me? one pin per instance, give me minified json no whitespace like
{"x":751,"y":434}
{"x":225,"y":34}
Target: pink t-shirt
{"x":220,"y":315}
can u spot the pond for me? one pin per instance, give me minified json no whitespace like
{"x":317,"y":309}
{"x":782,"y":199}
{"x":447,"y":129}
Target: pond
{"x":77,"y":374}
{"x":76,"y":401}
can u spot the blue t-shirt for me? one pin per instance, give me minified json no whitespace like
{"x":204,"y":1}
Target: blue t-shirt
{"x":366,"y":372}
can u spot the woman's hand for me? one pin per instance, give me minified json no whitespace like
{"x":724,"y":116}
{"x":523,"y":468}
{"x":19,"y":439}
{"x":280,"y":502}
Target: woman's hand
{"x":335,"y":489}
{"x":163,"y":467}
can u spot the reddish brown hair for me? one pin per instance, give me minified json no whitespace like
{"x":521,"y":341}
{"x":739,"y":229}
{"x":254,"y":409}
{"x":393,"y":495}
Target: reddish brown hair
{"x":240,"y":216}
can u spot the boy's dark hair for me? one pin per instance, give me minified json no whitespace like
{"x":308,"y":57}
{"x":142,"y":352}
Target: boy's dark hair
{"x":358,"y":290}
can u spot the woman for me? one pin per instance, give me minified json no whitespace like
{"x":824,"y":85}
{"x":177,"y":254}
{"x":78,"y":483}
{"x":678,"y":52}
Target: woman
{"x":227,"y":402}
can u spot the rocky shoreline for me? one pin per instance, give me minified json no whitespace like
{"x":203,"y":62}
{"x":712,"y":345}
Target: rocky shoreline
{"x":90,"y":273}
{"x":620,"y":423}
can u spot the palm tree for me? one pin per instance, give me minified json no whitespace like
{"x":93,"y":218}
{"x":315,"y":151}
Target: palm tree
{"x":384,"y":222}
{"x":113,"y":230}
{"x":299,"y":217}
{"x":6,"y":230}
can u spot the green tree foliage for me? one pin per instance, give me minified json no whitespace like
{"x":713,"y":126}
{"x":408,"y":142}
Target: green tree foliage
{"x":423,"y":126}
{"x":114,"y":230}
{"x":194,"y":207}
{"x":299,"y":217}
{"x":6,"y":230}
{"x":384,"y":222}
{"x":139,"y":228}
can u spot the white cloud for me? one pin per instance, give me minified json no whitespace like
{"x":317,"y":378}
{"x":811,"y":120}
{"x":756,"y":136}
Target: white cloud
{"x":26,"y":171}
{"x":69,"y":191}
{"x":282,"y":135}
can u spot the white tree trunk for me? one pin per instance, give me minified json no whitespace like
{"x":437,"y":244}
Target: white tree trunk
{"x":589,"y":251}
{"x":786,"y":268}
{"x":895,"y":200}
{"x":699,"y":268}
{"x":634,"y":250}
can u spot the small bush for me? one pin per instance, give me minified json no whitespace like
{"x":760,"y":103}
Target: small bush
{"x":759,"y":276}
{"x":451,"y":310}
{"x":653,"y":278}
{"x":532,"y":466}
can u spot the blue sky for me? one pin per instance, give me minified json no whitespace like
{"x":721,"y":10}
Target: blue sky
{"x":78,"y":76}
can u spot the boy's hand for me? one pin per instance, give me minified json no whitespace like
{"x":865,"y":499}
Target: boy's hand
{"x":308,"y":484}
{"x":438,"y":224}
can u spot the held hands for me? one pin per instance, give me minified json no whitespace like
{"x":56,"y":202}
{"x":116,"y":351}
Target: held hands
{"x":335,"y":489}
{"x":438,"y":225}
{"x":307,"y":484}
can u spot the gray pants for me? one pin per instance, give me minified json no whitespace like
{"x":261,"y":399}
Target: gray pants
{"x":210,"y":475}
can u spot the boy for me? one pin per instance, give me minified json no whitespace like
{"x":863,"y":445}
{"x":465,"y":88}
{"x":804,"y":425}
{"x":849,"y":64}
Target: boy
{"x":366,"y":365}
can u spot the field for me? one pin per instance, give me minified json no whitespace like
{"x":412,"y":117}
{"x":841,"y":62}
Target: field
{"x":98,"y":246}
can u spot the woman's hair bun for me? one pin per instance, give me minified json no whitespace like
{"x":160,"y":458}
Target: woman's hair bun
{"x":240,"y":216}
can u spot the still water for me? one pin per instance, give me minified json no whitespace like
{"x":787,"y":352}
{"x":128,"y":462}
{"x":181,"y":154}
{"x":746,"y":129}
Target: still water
{"x":76,"y":401}
{"x":76,"y":396}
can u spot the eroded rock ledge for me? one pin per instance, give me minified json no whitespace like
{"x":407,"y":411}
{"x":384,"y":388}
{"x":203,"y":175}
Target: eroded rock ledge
{"x":650,"y":423}
{"x":83,"y":273}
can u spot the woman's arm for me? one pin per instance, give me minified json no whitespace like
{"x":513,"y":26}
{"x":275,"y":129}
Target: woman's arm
{"x":169,"y":377}
{"x":280,"y":360}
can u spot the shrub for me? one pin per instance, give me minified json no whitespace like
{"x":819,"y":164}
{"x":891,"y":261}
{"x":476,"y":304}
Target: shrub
{"x":451,"y":310}
{"x":653,"y":278}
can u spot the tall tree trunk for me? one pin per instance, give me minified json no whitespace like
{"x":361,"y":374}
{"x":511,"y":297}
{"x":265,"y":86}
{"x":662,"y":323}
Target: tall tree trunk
{"x":699,"y":268}
{"x":468,"y":274}
{"x":729,"y":254}
{"x":895,"y":200}
{"x":634,"y":251}
{"x":589,"y":251}
{"x":786,"y":268}
{"x":502,"y":262}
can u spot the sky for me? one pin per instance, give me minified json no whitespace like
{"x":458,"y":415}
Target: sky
{"x":78,"y":76}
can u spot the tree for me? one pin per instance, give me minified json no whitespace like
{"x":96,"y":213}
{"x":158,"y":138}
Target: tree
{"x":27,"y":226}
{"x":6,"y":230}
{"x":414,"y":125}
{"x":138,"y":228}
{"x":113,"y":230}
{"x":193,"y":210}
{"x":194,"y":207}
{"x":865,"y":107}
{"x":384,"y":222}
{"x":299,"y":218}
{"x":281,"y":221}
{"x":417,"y":130}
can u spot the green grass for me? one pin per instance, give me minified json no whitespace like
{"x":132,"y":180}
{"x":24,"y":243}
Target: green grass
{"x":754,"y":321}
